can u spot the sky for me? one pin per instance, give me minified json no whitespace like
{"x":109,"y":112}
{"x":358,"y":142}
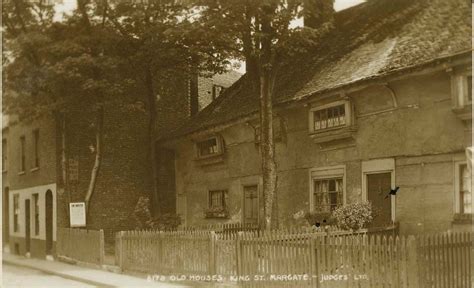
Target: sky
{"x":68,"y":5}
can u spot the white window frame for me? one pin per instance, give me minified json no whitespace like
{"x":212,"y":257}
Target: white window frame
{"x":459,"y":89}
{"x":457,"y":182}
{"x":379,"y":166}
{"x":348,"y":115}
{"x":328,"y":172}
{"x":220,"y":147}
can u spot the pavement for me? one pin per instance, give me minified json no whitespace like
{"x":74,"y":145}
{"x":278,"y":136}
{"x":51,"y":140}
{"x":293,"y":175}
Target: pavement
{"x":88,"y":276}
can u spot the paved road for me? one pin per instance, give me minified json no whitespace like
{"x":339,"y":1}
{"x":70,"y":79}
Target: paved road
{"x":15,"y":276}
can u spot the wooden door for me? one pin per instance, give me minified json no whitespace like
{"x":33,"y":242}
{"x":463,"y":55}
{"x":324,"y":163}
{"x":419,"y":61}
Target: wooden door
{"x":27,"y":225}
{"x":49,"y":222}
{"x":378,"y":187}
{"x":251,"y":205}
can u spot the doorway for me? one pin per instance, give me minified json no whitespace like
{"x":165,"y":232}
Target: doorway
{"x":251,"y":205}
{"x":49,"y":222}
{"x":378,"y":188}
{"x":6,"y":216}
{"x":27,"y":226}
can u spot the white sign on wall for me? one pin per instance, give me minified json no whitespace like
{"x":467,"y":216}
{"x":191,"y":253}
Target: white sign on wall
{"x":77,"y":212}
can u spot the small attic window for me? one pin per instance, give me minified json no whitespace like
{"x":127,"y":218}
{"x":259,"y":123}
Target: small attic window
{"x":209,"y":147}
{"x":216,"y":91}
{"x":328,"y":117}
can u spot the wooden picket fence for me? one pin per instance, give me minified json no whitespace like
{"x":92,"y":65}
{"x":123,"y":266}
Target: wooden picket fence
{"x":80,"y":245}
{"x":311,"y":259}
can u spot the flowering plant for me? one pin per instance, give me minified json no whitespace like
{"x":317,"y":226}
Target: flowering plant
{"x":353,"y":216}
{"x":216,"y":212}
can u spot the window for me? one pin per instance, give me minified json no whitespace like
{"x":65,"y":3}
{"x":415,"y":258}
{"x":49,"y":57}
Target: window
{"x":327,"y":194}
{"x":463,"y":189}
{"x":36,"y":148}
{"x":217,"y":199}
{"x":329,"y":117}
{"x":4,"y":155}
{"x":461,"y":89}
{"x":216,"y":91}
{"x":16,"y":212}
{"x":327,"y":189}
{"x":36,"y":207}
{"x":22,"y":154}
{"x":211,"y":146}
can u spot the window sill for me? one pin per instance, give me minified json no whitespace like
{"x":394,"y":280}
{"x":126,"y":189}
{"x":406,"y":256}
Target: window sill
{"x":224,"y":214}
{"x":333,"y":134}
{"x":464,"y":113}
{"x":210,"y":159}
{"x":462,"y":218}
{"x":22,"y":173}
{"x":34,"y":169}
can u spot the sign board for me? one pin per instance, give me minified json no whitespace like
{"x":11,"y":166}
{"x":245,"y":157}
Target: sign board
{"x":73,"y":170}
{"x":77,"y":214}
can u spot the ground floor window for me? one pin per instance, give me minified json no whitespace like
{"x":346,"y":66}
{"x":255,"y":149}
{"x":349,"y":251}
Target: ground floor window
{"x":464,"y":190}
{"x":327,"y":188}
{"x":327,"y":194}
{"x":36,"y":206}
{"x":16,"y":212}
{"x":217,"y":199}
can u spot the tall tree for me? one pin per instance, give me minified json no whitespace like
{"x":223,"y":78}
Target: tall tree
{"x":57,"y":68}
{"x":262,"y":34}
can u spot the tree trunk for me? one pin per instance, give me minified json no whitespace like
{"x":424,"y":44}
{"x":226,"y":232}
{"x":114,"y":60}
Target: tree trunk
{"x":151,"y":99}
{"x":63,"y":155}
{"x":98,"y":155}
{"x":267,"y":149}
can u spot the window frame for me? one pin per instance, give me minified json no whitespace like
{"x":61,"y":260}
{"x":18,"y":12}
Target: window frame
{"x":219,"y":145}
{"x":326,"y":173}
{"x":224,"y":196}
{"x":460,"y":89}
{"x":36,"y":210}
{"x":457,"y":188}
{"x":347,"y":111}
{"x":16,"y":212}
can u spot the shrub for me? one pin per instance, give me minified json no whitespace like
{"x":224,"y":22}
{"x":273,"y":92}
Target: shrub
{"x":353,"y":216}
{"x":144,"y":220}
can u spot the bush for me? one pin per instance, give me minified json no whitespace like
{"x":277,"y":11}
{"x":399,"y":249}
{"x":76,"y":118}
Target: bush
{"x":144,"y":220}
{"x":353,"y":216}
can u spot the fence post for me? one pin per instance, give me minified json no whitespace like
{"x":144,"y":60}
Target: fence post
{"x":101,"y":247}
{"x":313,"y":255}
{"x":412,"y":254}
{"x":212,"y":253}
{"x":238,"y":253}
{"x":120,"y":249}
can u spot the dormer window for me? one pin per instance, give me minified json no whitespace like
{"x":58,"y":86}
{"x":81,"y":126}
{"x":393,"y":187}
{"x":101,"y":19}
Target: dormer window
{"x":461,"y":93}
{"x":330,"y":116}
{"x":209,"y":147}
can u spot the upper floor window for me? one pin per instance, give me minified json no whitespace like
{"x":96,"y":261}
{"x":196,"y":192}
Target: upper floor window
{"x":36,"y":148}
{"x":22,"y":154}
{"x":461,"y":89}
{"x":209,"y":147}
{"x":4,"y":155}
{"x":331,"y":116}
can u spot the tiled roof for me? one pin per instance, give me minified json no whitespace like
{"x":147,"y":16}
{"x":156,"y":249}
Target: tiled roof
{"x":371,"y":40}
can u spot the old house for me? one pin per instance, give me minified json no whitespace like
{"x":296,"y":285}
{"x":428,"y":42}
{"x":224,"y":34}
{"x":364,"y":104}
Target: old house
{"x":385,"y":101}
{"x":35,"y":196}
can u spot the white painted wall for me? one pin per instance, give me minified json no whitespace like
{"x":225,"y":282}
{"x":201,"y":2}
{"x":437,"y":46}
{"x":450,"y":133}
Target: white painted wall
{"x":27,"y":193}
